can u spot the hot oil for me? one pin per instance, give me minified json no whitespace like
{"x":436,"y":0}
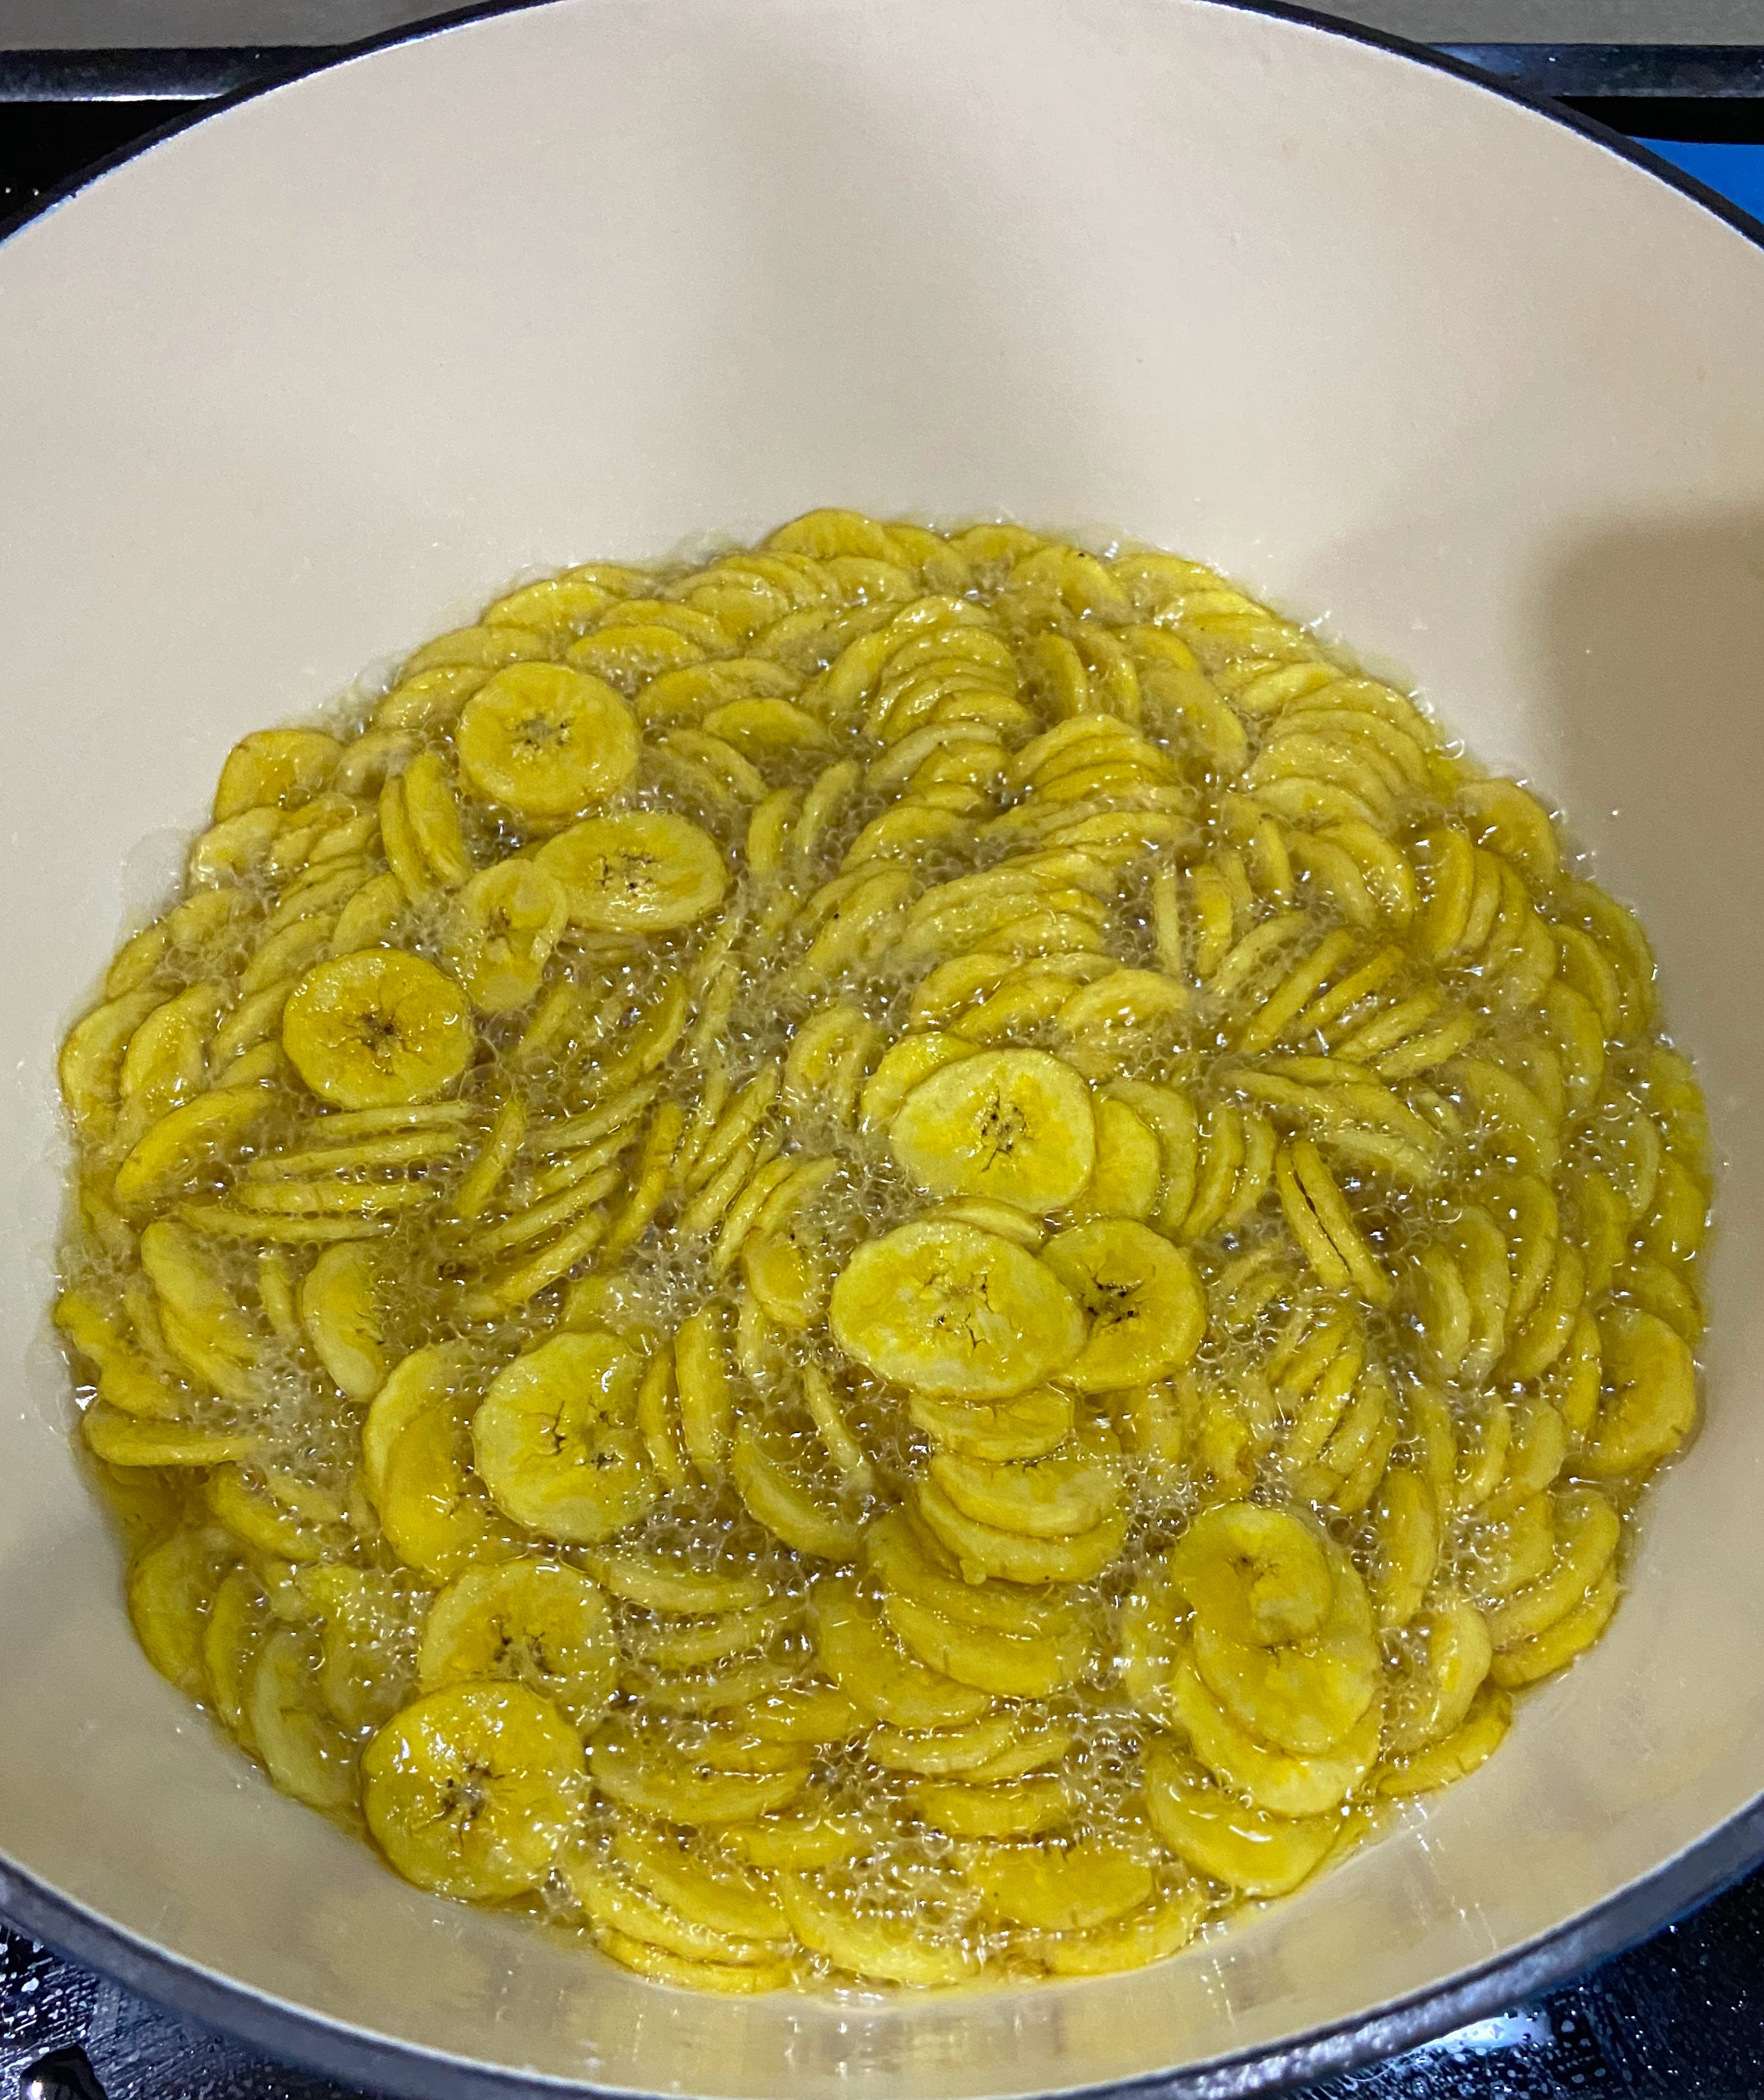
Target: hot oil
{"x":1217,"y":1428}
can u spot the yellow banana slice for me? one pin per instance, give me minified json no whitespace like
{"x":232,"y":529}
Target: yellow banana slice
{"x":377,"y":1028}
{"x":471,"y":1791}
{"x":1443,"y":1674}
{"x":644,"y":1773}
{"x":1652,"y":1402}
{"x":274,"y":767}
{"x":1015,"y":1125}
{"x":718,"y":1893}
{"x":169,"y":1587}
{"x":1130,"y":1166}
{"x":910,"y":1563}
{"x":416,"y":1384}
{"x":1014,"y":1809}
{"x":306,"y":1753}
{"x":725,"y":1979}
{"x":340,"y":1310}
{"x":538,"y":1622}
{"x":1283,"y":1784}
{"x":1153,"y":1933}
{"x":432,"y":1508}
{"x":555,"y":1440}
{"x":657,"y":1585}
{"x":1250,"y":1851}
{"x":1059,"y":1888}
{"x":546,"y":741}
{"x":640,"y":872}
{"x":182,"y":1144}
{"x":231,"y":1640}
{"x":128,"y":1440}
{"x":364,"y":1654}
{"x":1028,"y":1427}
{"x":861,"y":1657}
{"x":778,"y":1497}
{"x":1069,"y":1491}
{"x":1015,"y":1556}
{"x":1454,"y":1756}
{"x":810,"y":1837}
{"x":905,"y":1066}
{"x":201,"y":1320}
{"x":1003,"y":1664}
{"x":1146,"y":1307}
{"x":884,"y":1943}
{"x":1260,"y":1576}
{"x":1302,"y":1696}
{"x":504,"y":924}
{"x":954,"y":1312}
{"x":613,"y":1902}
{"x":125,"y":1379}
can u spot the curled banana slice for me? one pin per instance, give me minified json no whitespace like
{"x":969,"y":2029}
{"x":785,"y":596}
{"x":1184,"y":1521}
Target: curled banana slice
{"x":1146,"y":1307}
{"x":541,"y":1623}
{"x":555,"y":1440}
{"x":471,"y":1790}
{"x":376,"y":1028}
{"x":949,"y":1310}
{"x":640,"y":872}
{"x":546,"y":741}
{"x":506,"y":922}
{"x":1013,"y":1125}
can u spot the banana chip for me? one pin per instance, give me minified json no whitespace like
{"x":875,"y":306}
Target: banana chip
{"x":642,"y":872}
{"x":556,"y":1444}
{"x":546,"y":741}
{"x":471,"y":1790}
{"x":952,"y":1311}
{"x":506,"y":921}
{"x":539,"y":1622}
{"x":1147,"y":1307}
{"x":376,"y":1028}
{"x":1011,"y":1124}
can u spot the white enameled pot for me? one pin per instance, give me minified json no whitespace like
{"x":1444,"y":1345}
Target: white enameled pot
{"x":297,"y":387}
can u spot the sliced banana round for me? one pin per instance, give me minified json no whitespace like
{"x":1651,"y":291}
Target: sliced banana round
{"x":1302,"y":1696}
{"x":643,"y":871}
{"x":862,"y":1657}
{"x":1248,"y":1849}
{"x":1068,"y":1491}
{"x":307,"y":1753}
{"x":1059,"y":1888}
{"x":1029,"y":1426}
{"x":471,"y":1790}
{"x":546,"y":741}
{"x":556,"y":1441}
{"x":170,"y":1589}
{"x":504,"y":924}
{"x":1013,"y":1125}
{"x":376,"y":1028}
{"x":1260,"y":1576}
{"x":1147,"y":1307}
{"x":947,"y":1309}
{"x":538,"y":1622}
{"x":1272,"y":1778}
{"x":340,"y":1310}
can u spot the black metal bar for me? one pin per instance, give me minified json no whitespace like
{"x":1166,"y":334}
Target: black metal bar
{"x":1682,"y":71}
{"x":197,"y":75}
{"x":1605,"y":70}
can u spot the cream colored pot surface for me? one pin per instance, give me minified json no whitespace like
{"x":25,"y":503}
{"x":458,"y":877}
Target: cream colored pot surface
{"x":299,"y":385}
